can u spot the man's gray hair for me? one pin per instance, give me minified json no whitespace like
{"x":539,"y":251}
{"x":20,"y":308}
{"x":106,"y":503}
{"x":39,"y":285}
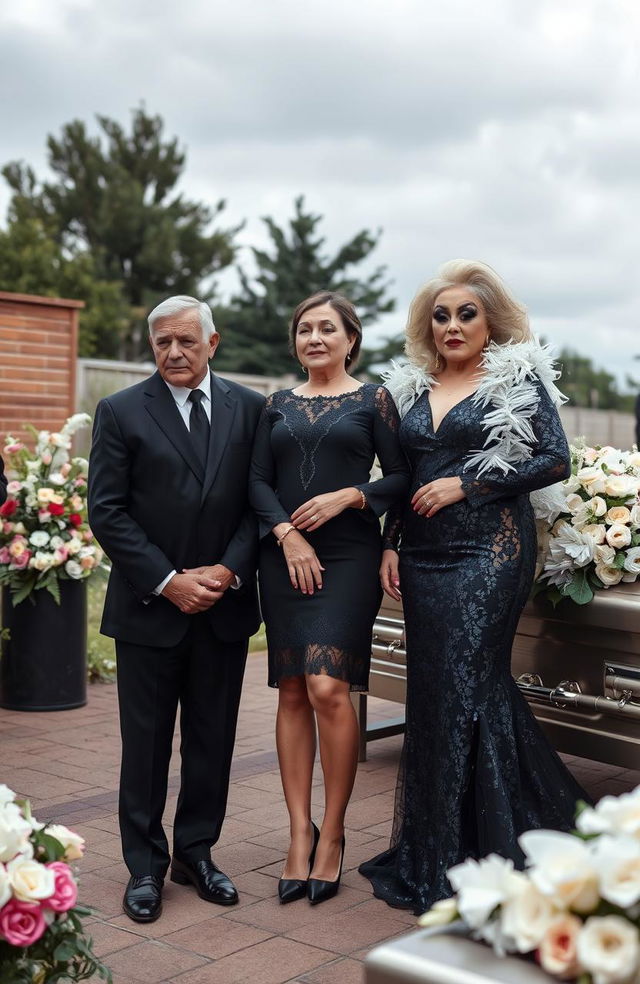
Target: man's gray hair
{"x":179,"y":303}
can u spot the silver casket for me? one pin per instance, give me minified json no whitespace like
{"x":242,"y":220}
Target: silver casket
{"x":578,"y":666}
{"x":446,"y":956}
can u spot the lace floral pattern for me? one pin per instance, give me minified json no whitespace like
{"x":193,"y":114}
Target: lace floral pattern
{"x":476,"y":770}
{"x":306,"y":447}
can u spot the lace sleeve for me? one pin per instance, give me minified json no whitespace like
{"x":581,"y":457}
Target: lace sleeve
{"x":550,"y":461}
{"x":383,"y":493}
{"x":262,"y":495}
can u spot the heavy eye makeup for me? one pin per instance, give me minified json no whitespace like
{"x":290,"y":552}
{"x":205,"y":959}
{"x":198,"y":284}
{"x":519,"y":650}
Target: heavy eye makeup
{"x":466,"y":312}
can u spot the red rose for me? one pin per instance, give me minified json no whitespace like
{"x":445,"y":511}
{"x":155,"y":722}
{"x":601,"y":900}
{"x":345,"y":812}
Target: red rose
{"x":75,"y":519}
{"x":55,"y":509}
{"x":8,"y":508}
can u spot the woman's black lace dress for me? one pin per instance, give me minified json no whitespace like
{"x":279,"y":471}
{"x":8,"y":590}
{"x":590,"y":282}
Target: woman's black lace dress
{"x":476,"y":769}
{"x":306,"y":446}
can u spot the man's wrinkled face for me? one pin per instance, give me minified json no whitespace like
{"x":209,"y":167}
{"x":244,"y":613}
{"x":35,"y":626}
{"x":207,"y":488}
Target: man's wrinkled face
{"x":181,"y":353}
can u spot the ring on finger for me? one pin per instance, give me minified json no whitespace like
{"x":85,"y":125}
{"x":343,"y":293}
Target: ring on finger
{"x":314,"y":518}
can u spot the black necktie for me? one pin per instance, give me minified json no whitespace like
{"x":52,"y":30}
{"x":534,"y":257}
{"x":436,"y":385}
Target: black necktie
{"x":199,"y":426}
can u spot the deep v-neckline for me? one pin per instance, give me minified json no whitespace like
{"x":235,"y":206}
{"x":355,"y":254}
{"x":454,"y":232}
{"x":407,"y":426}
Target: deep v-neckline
{"x":436,"y":430}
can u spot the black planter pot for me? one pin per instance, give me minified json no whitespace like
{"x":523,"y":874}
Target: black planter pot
{"x":44,"y":660}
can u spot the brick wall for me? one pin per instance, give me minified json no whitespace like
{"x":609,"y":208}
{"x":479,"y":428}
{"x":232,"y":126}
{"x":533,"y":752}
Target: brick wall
{"x":38,"y":350}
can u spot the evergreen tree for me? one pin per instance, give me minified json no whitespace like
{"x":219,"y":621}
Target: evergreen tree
{"x":112,"y":209}
{"x":254,"y":325}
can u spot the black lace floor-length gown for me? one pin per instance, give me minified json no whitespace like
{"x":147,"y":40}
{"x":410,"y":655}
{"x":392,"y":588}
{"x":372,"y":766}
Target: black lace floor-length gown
{"x":476,"y":770}
{"x":306,"y":446}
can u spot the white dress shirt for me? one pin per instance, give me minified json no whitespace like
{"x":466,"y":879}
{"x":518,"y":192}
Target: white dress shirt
{"x":184,"y":404}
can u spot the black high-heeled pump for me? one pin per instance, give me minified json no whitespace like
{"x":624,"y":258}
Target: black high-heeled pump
{"x":291,"y":889}
{"x":319,"y":890}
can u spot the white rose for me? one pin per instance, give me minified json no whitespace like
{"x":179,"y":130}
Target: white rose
{"x":590,"y":456}
{"x":42,"y":561}
{"x":14,"y":833}
{"x":73,"y":545}
{"x":5,"y":886}
{"x":597,"y":506}
{"x":604,"y":554}
{"x":31,"y":880}
{"x":481,"y":886}
{"x":617,"y":862}
{"x":526,"y":916}
{"x":634,"y":518}
{"x":609,"y":576}
{"x":440,"y":914}
{"x":609,"y":949}
{"x":597,"y":532}
{"x":574,"y":503}
{"x":618,"y":514}
{"x":73,"y":843}
{"x":592,"y":479}
{"x":44,"y":495}
{"x":633,"y":459}
{"x":612,"y":814}
{"x":571,"y":484}
{"x":73,"y":569}
{"x":561,"y":867}
{"x":557,"y":952}
{"x":632,"y":560}
{"x":56,"y":542}
{"x":19,"y":528}
{"x":6,"y":795}
{"x":56,"y":478}
{"x":618,"y":536}
{"x":620,"y":486}
{"x":39,"y":539}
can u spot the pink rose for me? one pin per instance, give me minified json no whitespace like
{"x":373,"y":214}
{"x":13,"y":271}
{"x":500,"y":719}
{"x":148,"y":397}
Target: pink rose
{"x":21,"y":923}
{"x":14,"y":448}
{"x":65,"y":894}
{"x":5,"y":556}
{"x":44,"y":515}
{"x":46,"y":458}
{"x":19,"y":563}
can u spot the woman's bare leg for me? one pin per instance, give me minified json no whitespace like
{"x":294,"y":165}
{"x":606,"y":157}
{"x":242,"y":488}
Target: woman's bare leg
{"x":296,"y":745}
{"x":338,"y":734}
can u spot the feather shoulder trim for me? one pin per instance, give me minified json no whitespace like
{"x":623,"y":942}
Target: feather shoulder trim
{"x":508,"y":390}
{"x":406,"y":383}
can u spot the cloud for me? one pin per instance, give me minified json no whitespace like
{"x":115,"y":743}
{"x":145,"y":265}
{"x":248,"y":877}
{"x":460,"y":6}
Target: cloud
{"x":507,"y":132}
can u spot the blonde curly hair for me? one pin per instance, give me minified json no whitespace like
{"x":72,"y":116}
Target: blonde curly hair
{"x":506,"y":317}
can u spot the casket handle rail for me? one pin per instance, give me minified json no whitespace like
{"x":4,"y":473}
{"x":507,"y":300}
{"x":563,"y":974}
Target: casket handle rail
{"x":568,"y":694}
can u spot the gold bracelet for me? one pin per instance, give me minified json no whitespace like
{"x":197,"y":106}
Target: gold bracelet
{"x":289,"y":529}
{"x":364,"y":503}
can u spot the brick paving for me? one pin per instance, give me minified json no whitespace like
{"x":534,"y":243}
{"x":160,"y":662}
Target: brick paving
{"x":67,"y":764}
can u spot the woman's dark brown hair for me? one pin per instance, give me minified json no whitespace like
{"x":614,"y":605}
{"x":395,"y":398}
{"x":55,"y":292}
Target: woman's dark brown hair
{"x":343,"y":307}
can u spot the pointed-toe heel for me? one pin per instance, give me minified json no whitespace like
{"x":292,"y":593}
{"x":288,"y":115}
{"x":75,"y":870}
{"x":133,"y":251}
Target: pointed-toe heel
{"x":319,"y":890}
{"x":292,"y":889}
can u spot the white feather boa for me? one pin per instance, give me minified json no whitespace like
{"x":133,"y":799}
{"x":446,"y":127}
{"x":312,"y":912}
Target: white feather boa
{"x":508,"y":391}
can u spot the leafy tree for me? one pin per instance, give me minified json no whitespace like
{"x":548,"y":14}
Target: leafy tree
{"x":587,"y":386}
{"x":254,"y":324}
{"x":112,"y":211}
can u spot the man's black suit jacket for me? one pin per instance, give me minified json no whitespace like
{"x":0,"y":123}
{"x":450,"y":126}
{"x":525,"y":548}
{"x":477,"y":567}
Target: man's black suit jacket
{"x":153,"y":509}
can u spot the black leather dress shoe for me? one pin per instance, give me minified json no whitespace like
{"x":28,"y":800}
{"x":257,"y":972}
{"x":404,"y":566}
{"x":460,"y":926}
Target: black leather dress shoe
{"x":211,"y":884}
{"x":142,"y":900}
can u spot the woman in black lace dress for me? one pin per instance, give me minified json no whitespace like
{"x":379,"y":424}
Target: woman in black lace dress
{"x":320,"y":553}
{"x":481,"y":430}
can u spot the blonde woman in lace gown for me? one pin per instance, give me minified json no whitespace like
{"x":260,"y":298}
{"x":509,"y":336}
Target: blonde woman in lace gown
{"x":320,"y":553}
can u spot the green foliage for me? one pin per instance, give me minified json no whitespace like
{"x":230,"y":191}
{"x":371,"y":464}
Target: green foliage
{"x":587,"y":386}
{"x":64,"y":953}
{"x":254,"y":325}
{"x":110,"y":229}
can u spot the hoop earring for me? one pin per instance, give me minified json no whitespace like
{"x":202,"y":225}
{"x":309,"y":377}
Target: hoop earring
{"x":486,"y":341}
{"x":437,"y":362}
{"x":304,"y":368}
{"x":348,"y":358}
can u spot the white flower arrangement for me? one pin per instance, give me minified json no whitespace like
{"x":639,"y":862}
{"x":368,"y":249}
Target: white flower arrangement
{"x":592,"y":538}
{"x":576,"y":906}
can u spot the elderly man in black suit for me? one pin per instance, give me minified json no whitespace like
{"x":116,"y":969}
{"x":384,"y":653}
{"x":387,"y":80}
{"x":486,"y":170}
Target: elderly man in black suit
{"x":168,"y":503}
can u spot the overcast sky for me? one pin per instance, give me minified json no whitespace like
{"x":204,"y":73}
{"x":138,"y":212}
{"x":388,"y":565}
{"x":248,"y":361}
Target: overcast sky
{"x":503,"y":130}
